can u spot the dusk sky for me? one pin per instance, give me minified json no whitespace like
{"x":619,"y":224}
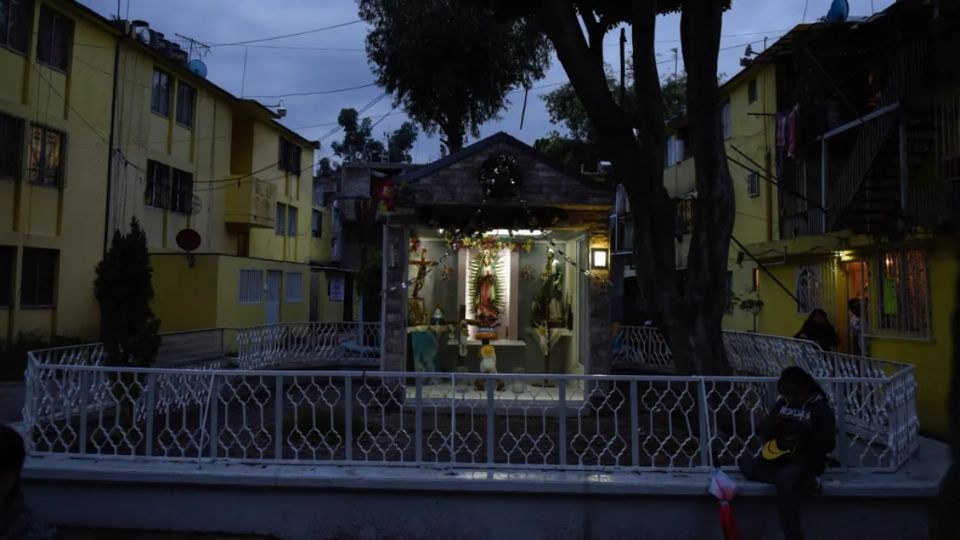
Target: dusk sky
{"x":335,"y":59}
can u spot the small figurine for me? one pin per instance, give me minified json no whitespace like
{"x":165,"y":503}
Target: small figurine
{"x":439,"y":317}
{"x":488,"y":364}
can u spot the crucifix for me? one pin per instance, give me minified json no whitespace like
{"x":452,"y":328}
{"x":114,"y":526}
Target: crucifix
{"x":422,"y":267}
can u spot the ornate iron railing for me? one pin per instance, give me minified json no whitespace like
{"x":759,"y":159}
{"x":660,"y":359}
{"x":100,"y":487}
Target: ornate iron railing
{"x":321,"y":344}
{"x":425,"y":419}
{"x":75,"y":405}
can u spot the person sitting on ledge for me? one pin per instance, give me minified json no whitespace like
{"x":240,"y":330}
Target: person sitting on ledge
{"x":799,"y":433}
{"x":17,"y":521}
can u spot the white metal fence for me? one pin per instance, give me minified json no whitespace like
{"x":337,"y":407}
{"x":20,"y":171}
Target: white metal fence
{"x":321,"y":344}
{"x":75,"y":405}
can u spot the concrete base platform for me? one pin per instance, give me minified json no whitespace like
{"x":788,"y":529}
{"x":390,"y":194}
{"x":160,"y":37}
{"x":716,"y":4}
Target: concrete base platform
{"x":301,"y":502}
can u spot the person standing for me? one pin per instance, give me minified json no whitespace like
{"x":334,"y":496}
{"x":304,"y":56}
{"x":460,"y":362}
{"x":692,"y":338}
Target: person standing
{"x":799,"y":433}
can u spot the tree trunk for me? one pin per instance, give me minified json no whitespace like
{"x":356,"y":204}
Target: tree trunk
{"x":637,"y":162}
{"x":706,"y":290}
{"x":453,"y":131}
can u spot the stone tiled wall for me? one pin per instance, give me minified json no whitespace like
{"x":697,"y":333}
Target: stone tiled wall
{"x":394,"y":342}
{"x":542,"y":185}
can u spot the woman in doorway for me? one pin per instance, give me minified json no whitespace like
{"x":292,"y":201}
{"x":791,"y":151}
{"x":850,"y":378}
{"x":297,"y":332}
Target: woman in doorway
{"x":799,"y":433}
{"x":817,"y":328}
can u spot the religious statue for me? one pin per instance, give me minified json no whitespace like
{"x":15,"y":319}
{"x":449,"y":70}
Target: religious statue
{"x":423,"y":266}
{"x":486,"y":296}
{"x":416,"y":310}
{"x":548,"y":304}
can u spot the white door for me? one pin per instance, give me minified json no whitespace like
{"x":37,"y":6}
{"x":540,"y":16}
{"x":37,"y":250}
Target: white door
{"x":274,"y":282}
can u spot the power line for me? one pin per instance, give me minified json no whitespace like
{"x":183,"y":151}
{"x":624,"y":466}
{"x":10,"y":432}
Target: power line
{"x":316,"y":92}
{"x":284,"y":36}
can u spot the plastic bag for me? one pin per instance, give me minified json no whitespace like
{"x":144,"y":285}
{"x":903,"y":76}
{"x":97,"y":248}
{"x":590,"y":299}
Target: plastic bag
{"x":725,"y":489}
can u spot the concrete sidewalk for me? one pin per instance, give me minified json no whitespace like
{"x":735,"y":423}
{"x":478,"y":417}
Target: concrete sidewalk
{"x":11,"y":401}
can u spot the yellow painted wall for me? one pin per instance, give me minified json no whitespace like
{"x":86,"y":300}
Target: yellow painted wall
{"x":185,"y":298}
{"x":68,"y":219}
{"x":328,"y":311}
{"x":753,"y":133}
{"x":931,"y":358}
{"x":231,"y":313}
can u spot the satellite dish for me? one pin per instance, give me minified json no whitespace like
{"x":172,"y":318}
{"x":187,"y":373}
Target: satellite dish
{"x":198,"y":67}
{"x":188,"y":240}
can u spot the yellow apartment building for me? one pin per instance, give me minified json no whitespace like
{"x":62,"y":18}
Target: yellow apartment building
{"x":102,"y":121}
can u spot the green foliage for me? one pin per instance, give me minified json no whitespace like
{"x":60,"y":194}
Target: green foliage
{"x":450,"y":63}
{"x":674,"y":90}
{"x":124,"y":288}
{"x":327,"y":169}
{"x":13,"y":358}
{"x":401,"y":141}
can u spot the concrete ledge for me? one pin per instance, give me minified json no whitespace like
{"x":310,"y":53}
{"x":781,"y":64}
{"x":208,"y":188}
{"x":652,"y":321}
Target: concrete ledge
{"x":296,"y":501}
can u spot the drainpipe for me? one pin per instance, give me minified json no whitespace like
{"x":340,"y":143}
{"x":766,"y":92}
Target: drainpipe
{"x":113,"y":116}
{"x":904,"y":162}
{"x":823,"y":185}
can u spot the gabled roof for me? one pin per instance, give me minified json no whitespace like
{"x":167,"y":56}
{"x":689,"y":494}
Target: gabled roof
{"x":519,"y":146}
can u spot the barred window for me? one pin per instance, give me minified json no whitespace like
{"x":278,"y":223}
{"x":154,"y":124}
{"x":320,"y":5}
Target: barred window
{"x":45,"y":162}
{"x":904,"y":298}
{"x":808,"y":289}
{"x":294,"y":290}
{"x":11,"y":146}
{"x":181,"y":195}
{"x":250,"y":288}
{"x":289,"y":157}
{"x":158,"y":184}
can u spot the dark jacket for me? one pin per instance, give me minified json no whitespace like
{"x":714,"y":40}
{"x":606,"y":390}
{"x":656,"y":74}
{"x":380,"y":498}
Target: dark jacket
{"x":823,"y":335}
{"x":809,"y":430}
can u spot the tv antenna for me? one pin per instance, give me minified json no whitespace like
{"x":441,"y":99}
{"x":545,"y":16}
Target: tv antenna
{"x":195,"y":49}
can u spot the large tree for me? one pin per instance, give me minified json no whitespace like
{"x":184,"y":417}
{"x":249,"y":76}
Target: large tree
{"x":449,"y":63}
{"x":359,"y":144}
{"x":690,"y":316}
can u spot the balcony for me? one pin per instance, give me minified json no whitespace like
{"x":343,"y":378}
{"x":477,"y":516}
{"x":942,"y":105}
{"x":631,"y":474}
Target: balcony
{"x":250,"y":202}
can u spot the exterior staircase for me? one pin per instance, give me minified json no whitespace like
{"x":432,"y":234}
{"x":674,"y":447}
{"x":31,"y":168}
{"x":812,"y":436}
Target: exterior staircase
{"x":866,"y":194}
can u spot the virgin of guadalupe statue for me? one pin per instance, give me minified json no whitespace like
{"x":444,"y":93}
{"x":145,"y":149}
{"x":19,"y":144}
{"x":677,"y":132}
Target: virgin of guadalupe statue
{"x":486,"y":298}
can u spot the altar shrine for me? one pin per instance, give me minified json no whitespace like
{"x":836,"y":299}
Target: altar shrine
{"x":490,"y":265}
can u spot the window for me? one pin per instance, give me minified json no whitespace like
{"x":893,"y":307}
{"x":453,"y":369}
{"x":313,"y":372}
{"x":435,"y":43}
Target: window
{"x":45,"y":162}
{"x":16,"y":21}
{"x":676,"y":150}
{"x":725,"y":119}
{"x":181,"y":195}
{"x":160,"y":95}
{"x":294,"y":291}
{"x":158,"y":184}
{"x":7,"y":254}
{"x":753,"y":184}
{"x":250,"y":288}
{"x":11,"y":146}
{"x":903,"y":308}
{"x":316,"y":224}
{"x":53,"y":42}
{"x":808,"y":289}
{"x":186,"y":101}
{"x":39,"y":279}
{"x":752,"y":91}
{"x":289,"y":158}
{"x":280,"y":224}
{"x":292,"y":221}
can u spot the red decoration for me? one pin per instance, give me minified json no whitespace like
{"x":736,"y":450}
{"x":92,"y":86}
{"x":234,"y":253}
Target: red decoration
{"x":188,"y":239}
{"x":385,"y":194}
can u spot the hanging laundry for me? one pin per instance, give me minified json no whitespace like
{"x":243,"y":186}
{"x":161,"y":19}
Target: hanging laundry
{"x":791,"y":131}
{"x":781,"y":130}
